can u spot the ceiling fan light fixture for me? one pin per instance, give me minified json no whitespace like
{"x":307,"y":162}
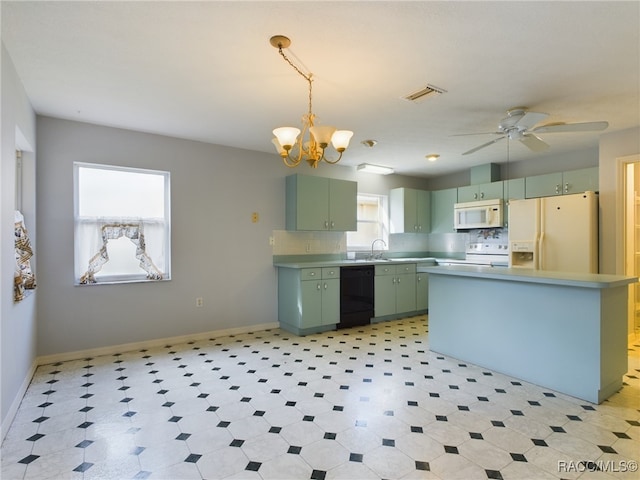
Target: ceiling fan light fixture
{"x":377,"y":169}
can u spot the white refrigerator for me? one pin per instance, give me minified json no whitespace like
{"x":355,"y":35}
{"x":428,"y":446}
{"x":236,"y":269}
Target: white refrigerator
{"x":555,"y":233}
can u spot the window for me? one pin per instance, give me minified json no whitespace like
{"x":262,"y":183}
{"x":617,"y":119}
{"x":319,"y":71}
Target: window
{"x":373,"y":222}
{"x":122,"y":224}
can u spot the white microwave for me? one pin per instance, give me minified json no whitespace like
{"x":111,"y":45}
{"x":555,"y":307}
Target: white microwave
{"x":480,"y":214}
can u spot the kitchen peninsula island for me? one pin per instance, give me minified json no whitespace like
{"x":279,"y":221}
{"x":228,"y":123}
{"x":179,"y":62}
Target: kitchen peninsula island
{"x":563,"y":331}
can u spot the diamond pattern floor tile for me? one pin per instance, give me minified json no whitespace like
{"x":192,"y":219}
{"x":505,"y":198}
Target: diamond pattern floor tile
{"x":368,"y":402}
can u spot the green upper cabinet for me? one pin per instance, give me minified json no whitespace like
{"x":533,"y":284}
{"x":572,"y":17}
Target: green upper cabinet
{"x":572,"y":181}
{"x":513,"y":189}
{"x":442,"y":202}
{"x":583,"y":180}
{"x":319,"y":203}
{"x":484,"y":191}
{"x":410,"y":210}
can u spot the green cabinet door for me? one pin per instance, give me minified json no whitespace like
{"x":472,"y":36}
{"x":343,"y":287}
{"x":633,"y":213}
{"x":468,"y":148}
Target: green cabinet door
{"x":307,"y":206}
{"x":468,"y":193}
{"x":311,"y":303}
{"x":423,"y":211}
{"x":442,"y":202}
{"x":484,"y":191}
{"x":490,"y":191}
{"x":422,"y":291}
{"x":330,"y":301}
{"x":410,"y":210}
{"x":582,"y":180}
{"x":384,"y":295}
{"x":513,"y":190}
{"x":343,"y":205}
{"x":405,"y":292}
{"x":543,"y":185}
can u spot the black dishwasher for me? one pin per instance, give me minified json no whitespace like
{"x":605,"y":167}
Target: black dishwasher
{"x":356,"y":295}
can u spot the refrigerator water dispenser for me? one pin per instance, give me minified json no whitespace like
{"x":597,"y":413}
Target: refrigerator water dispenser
{"x":522,"y":255}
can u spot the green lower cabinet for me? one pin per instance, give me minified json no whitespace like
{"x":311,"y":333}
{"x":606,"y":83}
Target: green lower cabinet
{"x":395,"y":289}
{"x":422,"y":291}
{"x":308,"y":299}
{"x":385,"y":295}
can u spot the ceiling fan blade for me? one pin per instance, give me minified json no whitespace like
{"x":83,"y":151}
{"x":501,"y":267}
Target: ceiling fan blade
{"x":534,"y":143}
{"x":529,"y":119}
{"x":572,"y":127}
{"x":479,"y":133}
{"x":484,"y":145}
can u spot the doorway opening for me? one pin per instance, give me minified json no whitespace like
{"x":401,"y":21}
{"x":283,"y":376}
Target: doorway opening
{"x":632,"y":240}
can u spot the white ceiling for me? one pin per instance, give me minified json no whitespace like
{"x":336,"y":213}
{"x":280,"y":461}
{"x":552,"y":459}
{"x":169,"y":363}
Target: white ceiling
{"x":206,"y":71}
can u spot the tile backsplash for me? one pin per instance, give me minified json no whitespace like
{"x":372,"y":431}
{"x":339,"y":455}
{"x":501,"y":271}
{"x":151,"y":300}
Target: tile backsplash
{"x":314,"y":243}
{"x":308,"y":243}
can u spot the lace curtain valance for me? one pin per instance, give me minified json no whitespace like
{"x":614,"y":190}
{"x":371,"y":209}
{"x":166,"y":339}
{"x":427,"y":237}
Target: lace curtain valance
{"x":98,"y":232}
{"x":23,"y":278}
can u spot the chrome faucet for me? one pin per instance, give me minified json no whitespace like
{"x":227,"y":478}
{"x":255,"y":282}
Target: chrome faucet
{"x":372,"y":245}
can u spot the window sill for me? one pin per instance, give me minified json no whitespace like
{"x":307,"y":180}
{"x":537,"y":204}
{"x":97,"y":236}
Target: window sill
{"x":119,"y":282}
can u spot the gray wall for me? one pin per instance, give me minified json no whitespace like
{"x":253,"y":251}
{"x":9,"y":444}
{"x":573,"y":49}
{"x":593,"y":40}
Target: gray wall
{"x":17,"y":321}
{"x":217,"y":252}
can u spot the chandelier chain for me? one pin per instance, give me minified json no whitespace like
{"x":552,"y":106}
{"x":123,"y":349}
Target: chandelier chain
{"x":307,"y":77}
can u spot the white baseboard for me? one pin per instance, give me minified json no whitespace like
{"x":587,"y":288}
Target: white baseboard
{"x":13,"y":410}
{"x":127,"y":347}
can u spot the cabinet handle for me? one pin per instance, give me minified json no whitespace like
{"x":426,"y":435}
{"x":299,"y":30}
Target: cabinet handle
{"x":475,"y":196}
{"x":318,"y":286}
{"x":312,"y":274}
{"x":557,"y":188}
{"x":566,"y":188}
{"x":398,"y":279}
{"x":482,"y":195}
{"x":325,"y":285}
{"x":419,"y":227}
{"x":393,"y":280}
{"x":326,"y":224}
{"x":333,"y":224}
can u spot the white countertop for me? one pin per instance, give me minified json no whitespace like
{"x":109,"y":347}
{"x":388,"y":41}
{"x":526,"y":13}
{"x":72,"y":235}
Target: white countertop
{"x":585,"y":280}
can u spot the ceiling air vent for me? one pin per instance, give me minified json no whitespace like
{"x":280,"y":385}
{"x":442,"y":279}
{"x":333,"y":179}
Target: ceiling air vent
{"x":428,"y":91}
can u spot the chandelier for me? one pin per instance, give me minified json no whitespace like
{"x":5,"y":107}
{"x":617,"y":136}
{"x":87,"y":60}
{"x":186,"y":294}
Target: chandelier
{"x":290,"y":139}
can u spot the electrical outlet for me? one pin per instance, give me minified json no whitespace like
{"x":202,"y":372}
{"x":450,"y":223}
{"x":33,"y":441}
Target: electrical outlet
{"x":199,"y":302}
{"x":272,"y":240}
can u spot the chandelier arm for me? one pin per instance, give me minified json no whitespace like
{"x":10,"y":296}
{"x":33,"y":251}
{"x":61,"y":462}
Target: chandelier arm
{"x":291,"y":162}
{"x":332,"y":162}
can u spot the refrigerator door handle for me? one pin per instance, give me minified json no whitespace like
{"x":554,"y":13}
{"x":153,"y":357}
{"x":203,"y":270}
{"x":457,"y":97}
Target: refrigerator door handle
{"x":541,"y":252}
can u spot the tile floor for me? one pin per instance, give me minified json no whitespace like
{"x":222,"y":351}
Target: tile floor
{"x":364,"y":403}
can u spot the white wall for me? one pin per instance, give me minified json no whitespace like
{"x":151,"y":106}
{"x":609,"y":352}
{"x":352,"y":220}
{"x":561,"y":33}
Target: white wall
{"x":217,"y":252}
{"x":17,"y":321}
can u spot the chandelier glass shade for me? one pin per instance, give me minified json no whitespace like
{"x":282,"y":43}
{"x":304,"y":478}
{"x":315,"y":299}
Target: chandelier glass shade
{"x":295,"y":145}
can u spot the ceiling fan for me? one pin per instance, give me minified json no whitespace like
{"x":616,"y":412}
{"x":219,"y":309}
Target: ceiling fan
{"x":519,"y":125}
